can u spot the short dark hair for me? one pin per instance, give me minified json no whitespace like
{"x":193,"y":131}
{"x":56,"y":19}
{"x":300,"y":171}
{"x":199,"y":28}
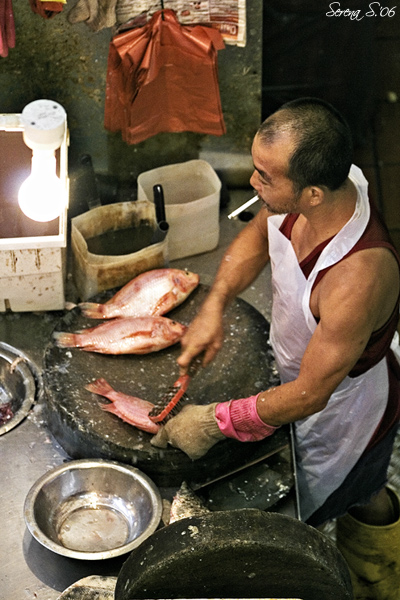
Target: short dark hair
{"x":323,"y":151}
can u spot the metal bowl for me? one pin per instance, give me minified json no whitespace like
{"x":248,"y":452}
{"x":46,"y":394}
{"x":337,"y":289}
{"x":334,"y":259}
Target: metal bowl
{"x":92,"y":509}
{"x":17,"y":387}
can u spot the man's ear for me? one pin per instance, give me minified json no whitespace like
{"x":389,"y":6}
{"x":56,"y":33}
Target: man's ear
{"x":315,"y":195}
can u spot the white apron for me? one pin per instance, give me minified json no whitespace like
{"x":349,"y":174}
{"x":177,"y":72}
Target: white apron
{"x":328,"y":443}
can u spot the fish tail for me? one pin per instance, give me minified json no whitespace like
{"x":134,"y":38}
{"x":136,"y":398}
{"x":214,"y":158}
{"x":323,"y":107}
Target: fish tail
{"x":65,"y":340}
{"x":93,"y":310}
{"x":100,"y":387}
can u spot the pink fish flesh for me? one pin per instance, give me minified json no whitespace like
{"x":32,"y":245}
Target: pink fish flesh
{"x":152,"y":293}
{"x":130,"y":409}
{"x":128,"y":335}
{"x":5,"y":413}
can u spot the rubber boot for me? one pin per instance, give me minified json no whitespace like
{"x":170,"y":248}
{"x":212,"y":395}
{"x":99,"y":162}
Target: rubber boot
{"x":372,"y":554}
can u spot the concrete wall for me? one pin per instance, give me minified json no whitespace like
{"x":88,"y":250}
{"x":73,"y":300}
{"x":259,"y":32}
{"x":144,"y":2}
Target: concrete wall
{"x":68,"y":63}
{"x":380,"y":157}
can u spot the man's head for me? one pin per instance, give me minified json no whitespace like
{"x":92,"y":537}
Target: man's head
{"x":323,"y":149}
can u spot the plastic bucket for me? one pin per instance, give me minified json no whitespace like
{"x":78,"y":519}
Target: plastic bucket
{"x":191,"y":193}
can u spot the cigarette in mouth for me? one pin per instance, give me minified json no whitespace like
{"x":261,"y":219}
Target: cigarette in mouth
{"x":237,"y":212}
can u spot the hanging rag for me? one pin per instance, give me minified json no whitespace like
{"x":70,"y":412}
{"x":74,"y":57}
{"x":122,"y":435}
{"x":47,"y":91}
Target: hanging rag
{"x":97,"y":14}
{"x":7,"y":27}
{"x":46,"y":8}
{"x":163,"y":77}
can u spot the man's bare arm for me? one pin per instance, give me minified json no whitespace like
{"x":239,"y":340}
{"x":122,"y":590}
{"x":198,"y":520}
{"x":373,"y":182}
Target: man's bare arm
{"x":241,"y":264}
{"x":355,"y":298}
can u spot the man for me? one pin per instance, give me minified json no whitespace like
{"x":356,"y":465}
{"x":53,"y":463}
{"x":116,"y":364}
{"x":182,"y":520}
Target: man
{"x":336,"y":285}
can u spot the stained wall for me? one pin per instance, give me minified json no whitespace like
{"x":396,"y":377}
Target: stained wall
{"x":68,"y":63}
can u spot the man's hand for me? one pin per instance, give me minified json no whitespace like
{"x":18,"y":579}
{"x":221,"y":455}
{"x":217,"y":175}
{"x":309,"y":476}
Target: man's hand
{"x":205,"y":334}
{"x":242,"y":262}
{"x":194,"y":430}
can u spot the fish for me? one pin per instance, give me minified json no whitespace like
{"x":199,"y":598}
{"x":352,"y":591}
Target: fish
{"x":130,"y":409}
{"x":153,"y":293}
{"x":129,"y":335}
{"x":186,"y":504}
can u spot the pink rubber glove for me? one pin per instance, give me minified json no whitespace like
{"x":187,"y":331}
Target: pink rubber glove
{"x":239,"y":419}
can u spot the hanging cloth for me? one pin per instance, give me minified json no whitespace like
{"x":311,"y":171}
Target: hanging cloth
{"x":7,"y":27}
{"x":97,"y":14}
{"x":163,"y":77}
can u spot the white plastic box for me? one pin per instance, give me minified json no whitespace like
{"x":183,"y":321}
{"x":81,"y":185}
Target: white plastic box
{"x":192,"y":196}
{"x":32,"y":255}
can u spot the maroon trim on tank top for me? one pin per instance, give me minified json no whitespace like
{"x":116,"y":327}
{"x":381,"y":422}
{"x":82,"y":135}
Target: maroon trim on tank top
{"x":378,"y":346}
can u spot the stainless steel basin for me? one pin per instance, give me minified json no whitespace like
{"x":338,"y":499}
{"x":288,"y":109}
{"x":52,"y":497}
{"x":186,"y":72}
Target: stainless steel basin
{"x":17,"y":387}
{"x":92,"y":509}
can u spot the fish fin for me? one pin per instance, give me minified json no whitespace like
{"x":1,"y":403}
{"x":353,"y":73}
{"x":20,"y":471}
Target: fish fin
{"x":63,"y":339}
{"x":111,"y":408}
{"x":164,"y":304}
{"x":186,"y":504}
{"x":100,"y":387}
{"x":93,"y":310}
{"x":69,"y":306}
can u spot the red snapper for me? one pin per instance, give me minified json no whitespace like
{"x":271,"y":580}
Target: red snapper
{"x":152,"y":293}
{"x":130,"y":409}
{"x":129,"y":335}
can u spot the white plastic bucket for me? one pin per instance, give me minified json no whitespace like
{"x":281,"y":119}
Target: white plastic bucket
{"x":191,"y":193}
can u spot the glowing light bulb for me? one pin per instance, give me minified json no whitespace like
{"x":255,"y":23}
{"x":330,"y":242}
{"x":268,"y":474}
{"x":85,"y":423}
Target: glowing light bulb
{"x":42,"y":196}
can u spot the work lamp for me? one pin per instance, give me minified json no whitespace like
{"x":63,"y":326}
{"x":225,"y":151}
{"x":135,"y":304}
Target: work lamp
{"x":43,"y":196}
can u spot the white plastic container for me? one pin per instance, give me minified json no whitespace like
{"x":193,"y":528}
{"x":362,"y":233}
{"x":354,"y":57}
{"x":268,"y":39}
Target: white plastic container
{"x":191,"y":193}
{"x":32,"y":255}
